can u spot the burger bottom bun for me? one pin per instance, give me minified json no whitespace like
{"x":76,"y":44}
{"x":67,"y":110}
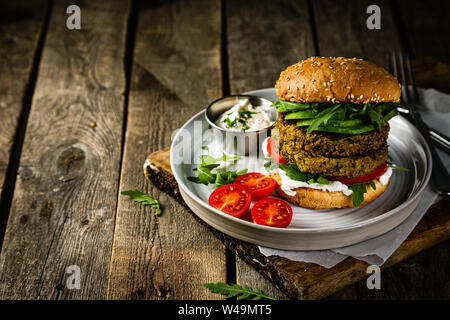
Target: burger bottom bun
{"x":318,"y":199}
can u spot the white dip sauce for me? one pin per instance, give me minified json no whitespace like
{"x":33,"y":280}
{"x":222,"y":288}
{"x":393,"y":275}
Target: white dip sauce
{"x":243,"y":116}
{"x":288,"y":185}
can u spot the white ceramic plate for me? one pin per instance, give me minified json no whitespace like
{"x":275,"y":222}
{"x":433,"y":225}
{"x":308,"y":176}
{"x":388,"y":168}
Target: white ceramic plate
{"x":312,"y":229}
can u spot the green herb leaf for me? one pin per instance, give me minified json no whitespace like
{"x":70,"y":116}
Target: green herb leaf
{"x":206,"y":176}
{"x":286,"y":106}
{"x":142,"y":198}
{"x":358,"y":193}
{"x":393,"y":166}
{"x":323,"y":117}
{"x":292,"y":172}
{"x":235,"y":290}
{"x":246,"y":114}
{"x":398,"y":168}
{"x":322,"y":180}
{"x":372,"y":184}
{"x":228,"y":177}
{"x":269,"y":164}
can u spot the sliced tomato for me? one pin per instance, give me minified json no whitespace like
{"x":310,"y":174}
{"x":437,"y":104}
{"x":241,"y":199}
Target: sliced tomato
{"x":259,"y":185}
{"x":378,"y":172}
{"x":272,"y":150}
{"x":272,"y":212}
{"x":232,"y":199}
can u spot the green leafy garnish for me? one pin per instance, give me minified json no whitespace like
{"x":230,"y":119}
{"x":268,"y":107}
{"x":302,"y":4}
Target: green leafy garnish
{"x":292,"y":172}
{"x":235,"y":290}
{"x":206,"y":176}
{"x":372,"y":184}
{"x":227,"y":177}
{"x":348,"y":118}
{"x":269,"y":164}
{"x":142,"y":198}
{"x":323,"y":117}
{"x":230,"y":124}
{"x":398,"y":168}
{"x":358,"y":193}
{"x":391,"y":165}
{"x":246,"y":114}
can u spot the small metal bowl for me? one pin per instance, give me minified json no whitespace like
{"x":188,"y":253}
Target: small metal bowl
{"x":242,"y":143}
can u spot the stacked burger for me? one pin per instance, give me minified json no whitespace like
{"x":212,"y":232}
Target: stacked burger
{"x":330,"y":139}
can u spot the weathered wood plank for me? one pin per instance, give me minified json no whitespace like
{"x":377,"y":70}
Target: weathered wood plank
{"x":176,"y":72}
{"x":64,"y":203}
{"x":21,"y":23}
{"x":301,"y":280}
{"x":342,"y":31}
{"x":426,"y":27}
{"x":262,"y":40}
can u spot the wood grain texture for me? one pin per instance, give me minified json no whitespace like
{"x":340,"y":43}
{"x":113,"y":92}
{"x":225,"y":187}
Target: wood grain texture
{"x":342,"y":31}
{"x":426,"y":27}
{"x":262,"y":40}
{"x":301,"y":280}
{"x":175,"y":73}
{"x":20,"y":29}
{"x":64,"y":203}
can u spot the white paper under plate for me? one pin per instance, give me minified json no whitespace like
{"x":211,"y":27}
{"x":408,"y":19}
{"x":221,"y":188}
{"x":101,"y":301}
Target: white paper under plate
{"x":316,"y":229}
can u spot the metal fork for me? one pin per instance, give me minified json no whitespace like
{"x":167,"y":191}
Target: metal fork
{"x":439,"y":176}
{"x":439,"y":139}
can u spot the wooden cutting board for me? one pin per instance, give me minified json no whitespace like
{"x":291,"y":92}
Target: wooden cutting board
{"x":301,"y":280}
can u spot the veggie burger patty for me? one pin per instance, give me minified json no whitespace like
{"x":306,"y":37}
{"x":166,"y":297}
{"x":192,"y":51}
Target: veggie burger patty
{"x":294,"y":139}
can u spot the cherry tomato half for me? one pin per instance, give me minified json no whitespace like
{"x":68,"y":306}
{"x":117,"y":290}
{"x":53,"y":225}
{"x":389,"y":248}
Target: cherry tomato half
{"x":379,"y":171}
{"x":272,"y":212}
{"x":232,"y":199}
{"x":272,"y":150}
{"x":259,"y":185}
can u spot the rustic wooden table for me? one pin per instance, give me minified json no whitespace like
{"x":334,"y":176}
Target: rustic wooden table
{"x":81,"y":110}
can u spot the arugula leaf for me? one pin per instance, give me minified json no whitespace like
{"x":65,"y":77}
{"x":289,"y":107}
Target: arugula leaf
{"x":358,"y":193}
{"x":398,"y":168}
{"x":228,"y":177}
{"x":391,"y":165}
{"x":145,"y":199}
{"x":286,"y":106}
{"x":323,"y":117}
{"x":269,"y":164}
{"x":206,"y":176}
{"x":235,"y":290}
{"x":292,"y":172}
{"x":375,"y":117}
{"x":322,"y":180}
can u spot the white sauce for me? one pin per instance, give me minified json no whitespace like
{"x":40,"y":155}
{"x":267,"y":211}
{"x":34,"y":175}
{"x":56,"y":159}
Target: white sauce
{"x":262,"y":117}
{"x":288,"y":185}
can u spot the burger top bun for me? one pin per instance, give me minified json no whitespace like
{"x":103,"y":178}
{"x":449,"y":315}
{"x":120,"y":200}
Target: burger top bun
{"x":337,"y":80}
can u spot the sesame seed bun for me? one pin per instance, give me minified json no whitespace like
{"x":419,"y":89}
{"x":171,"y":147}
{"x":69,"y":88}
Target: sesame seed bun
{"x":337,"y":80}
{"x":318,"y":199}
